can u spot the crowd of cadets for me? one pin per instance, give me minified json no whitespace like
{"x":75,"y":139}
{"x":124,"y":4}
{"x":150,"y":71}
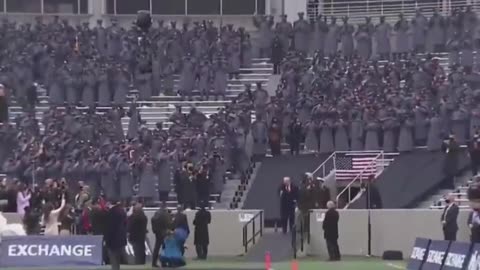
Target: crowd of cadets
{"x":79,"y":65}
{"x":343,"y":102}
{"x":340,"y":103}
{"x":458,"y":32}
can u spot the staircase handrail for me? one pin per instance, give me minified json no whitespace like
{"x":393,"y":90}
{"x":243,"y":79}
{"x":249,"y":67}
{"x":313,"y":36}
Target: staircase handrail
{"x":361,"y":8}
{"x":322,"y":165}
{"x":252,"y":239}
{"x":360,"y":175}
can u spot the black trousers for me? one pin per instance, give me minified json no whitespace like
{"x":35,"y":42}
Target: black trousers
{"x":202,"y":251}
{"x":420,"y":48}
{"x":450,"y":235}
{"x":287,"y":219}
{"x":156,"y":249}
{"x":449,"y":181}
{"x":474,"y":167}
{"x":163,"y":195}
{"x":295,"y":148}
{"x":275,"y":148}
{"x":333,"y":250}
{"x":276,"y":68}
{"x":438,"y":48}
{"x":139,"y":252}
{"x":115,"y":256}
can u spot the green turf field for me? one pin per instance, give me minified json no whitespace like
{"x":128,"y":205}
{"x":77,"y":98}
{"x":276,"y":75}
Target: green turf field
{"x":303,"y":264}
{"x":307,"y":264}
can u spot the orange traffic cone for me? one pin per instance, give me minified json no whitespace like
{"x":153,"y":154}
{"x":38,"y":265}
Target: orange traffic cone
{"x":268,"y":261}
{"x":294,"y":265}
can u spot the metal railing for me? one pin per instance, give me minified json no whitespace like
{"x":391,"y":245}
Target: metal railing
{"x":357,"y":10}
{"x":327,"y":166}
{"x":255,"y":233}
{"x":156,"y":7}
{"x":78,"y":7}
{"x":192,"y":7}
{"x":365,"y":174}
{"x":300,"y":230}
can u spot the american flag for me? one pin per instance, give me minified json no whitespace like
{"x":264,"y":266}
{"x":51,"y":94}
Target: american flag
{"x":349,"y":166}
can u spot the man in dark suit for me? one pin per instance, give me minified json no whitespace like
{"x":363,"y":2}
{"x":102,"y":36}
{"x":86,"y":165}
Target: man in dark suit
{"x":115,"y":235}
{"x":474,"y":153}
{"x":201,"y":236}
{"x":288,"y":200}
{"x":450,"y":167}
{"x":474,"y":225}
{"x":161,"y":223}
{"x":449,"y":219}
{"x":330,"y":231}
{"x":137,"y":233}
{"x":3,"y":105}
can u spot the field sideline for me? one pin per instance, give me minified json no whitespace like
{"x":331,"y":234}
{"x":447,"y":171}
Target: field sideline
{"x":303,"y":264}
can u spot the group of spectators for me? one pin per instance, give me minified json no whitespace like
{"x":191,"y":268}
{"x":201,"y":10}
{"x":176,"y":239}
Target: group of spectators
{"x":343,"y":99}
{"x":80,"y":65}
{"x":339,"y":102}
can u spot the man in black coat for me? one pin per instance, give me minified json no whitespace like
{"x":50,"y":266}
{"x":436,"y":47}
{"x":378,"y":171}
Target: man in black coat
{"x":97,"y":218}
{"x":295,"y":136}
{"x":330,"y":231}
{"x":450,"y":167}
{"x":137,"y":233}
{"x":115,"y":235}
{"x":201,"y":237}
{"x":288,"y":201}
{"x":277,"y":54}
{"x":3,"y":105}
{"x":474,"y":225}
{"x":161,"y":222}
{"x":449,"y":219}
{"x":474,"y":153}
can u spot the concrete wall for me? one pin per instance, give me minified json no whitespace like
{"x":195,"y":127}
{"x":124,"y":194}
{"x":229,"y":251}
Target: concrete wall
{"x":391,"y":230}
{"x":226,"y":230}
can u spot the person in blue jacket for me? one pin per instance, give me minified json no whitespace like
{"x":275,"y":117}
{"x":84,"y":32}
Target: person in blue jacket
{"x":171,"y":255}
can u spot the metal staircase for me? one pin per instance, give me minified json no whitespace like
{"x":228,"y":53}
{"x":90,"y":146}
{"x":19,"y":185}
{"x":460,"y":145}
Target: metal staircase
{"x":340,"y":169}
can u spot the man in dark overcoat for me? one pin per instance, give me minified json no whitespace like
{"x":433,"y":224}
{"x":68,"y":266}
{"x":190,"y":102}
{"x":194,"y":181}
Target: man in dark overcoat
{"x":330,"y":231}
{"x":115,"y":234}
{"x":288,"y":200}
{"x":201,"y":237}
{"x":161,"y":222}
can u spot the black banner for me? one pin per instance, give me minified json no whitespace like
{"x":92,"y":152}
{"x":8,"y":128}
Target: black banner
{"x":457,"y":256}
{"x":419,"y":254}
{"x":436,"y":255}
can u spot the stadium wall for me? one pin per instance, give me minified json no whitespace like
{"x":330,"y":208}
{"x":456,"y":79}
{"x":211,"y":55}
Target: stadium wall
{"x":394,"y":229}
{"x":226,"y":230}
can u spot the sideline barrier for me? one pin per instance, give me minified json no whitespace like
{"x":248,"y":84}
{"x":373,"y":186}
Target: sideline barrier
{"x":226,"y":230}
{"x":49,"y":251}
{"x":391,"y":229}
{"x":445,"y":255}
